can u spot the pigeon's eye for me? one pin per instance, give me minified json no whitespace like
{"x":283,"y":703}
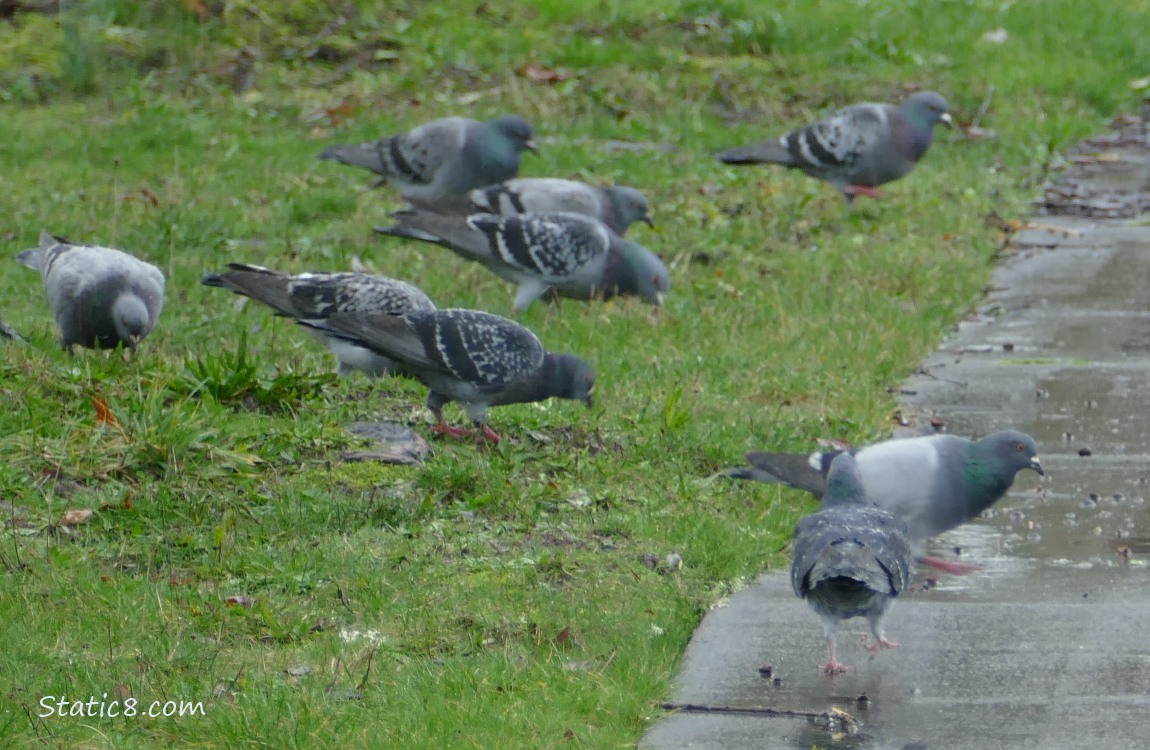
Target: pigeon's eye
{"x":1019,"y":447}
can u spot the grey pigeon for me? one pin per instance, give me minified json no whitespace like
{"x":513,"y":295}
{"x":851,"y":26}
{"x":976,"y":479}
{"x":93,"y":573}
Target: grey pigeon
{"x":933,"y":483}
{"x":101,"y":297}
{"x":857,"y":148}
{"x":475,"y":358}
{"x":446,"y":157}
{"x":618,"y":207}
{"x":557,"y":252}
{"x":850,"y":559}
{"x":316,"y":296}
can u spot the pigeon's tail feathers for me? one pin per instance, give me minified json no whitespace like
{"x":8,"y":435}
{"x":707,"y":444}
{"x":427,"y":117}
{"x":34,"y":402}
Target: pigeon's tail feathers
{"x":363,"y":155}
{"x":752,"y":474}
{"x":764,"y":152}
{"x":794,"y":469}
{"x":258,"y":283}
{"x":396,"y":230}
{"x":32,"y":258}
{"x":455,"y":232}
{"x":850,"y":559}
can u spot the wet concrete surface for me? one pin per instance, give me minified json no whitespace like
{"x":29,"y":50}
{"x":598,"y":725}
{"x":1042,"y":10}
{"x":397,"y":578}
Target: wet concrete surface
{"x":1048,"y":646}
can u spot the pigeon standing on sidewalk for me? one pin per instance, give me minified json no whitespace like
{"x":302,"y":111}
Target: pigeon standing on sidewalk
{"x":442,"y":158}
{"x":101,"y":297}
{"x":933,"y":483}
{"x":850,"y":559}
{"x":316,"y":296}
{"x":857,"y":148}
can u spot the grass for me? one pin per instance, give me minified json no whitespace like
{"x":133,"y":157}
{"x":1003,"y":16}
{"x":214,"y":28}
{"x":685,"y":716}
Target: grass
{"x":506,"y":597}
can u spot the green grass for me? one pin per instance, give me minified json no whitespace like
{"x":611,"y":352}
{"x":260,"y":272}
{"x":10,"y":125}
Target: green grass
{"x":492,"y":597}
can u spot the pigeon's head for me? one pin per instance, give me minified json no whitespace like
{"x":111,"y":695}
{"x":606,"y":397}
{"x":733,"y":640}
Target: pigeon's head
{"x":130,"y":318}
{"x":645,"y":274}
{"x":1010,"y":452}
{"x":926,"y":109}
{"x":517,"y":130}
{"x":629,"y":205}
{"x":574,"y":379}
{"x":844,"y":482}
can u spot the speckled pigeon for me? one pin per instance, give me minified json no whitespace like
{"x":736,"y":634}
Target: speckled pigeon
{"x":560,"y":252}
{"x":446,"y":157}
{"x":933,"y":483}
{"x":101,"y":297}
{"x":616,"y":206}
{"x":475,"y":358}
{"x":857,"y":148}
{"x":850,"y":559}
{"x":315,"y":296}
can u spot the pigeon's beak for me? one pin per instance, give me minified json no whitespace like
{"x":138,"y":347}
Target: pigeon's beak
{"x":589,"y":401}
{"x":946,"y":119}
{"x":648,"y":221}
{"x":531,"y":146}
{"x":659,"y":297}
{"x":1037,"y":466}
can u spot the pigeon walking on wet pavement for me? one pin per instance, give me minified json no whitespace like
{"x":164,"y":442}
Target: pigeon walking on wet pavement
{"x":446,"y":157}
{"x":857,"y":148}
{"x":933,"y":483}
{"x":616,"y":206}
{"x":101,"y":297}
{"x":475,"y":358}
{"x":850,"y":559}
{"x":316,"y":296}
{"x":554,"y":252}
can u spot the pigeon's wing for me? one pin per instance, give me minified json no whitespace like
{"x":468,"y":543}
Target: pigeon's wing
{"x":467,"y":345}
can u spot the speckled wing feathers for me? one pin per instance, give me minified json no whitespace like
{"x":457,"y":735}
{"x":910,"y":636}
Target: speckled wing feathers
{"x":479,"y":348}
{"x":538,"y":244}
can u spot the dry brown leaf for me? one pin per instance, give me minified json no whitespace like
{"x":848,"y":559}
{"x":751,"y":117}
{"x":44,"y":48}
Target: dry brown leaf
{"x":122,"y":692}
{"x":536,"y":73}
{"x":75,"y":516}
{"x":104,"y":413}
{"x":239,"y":600}
{"x":339,"y":113}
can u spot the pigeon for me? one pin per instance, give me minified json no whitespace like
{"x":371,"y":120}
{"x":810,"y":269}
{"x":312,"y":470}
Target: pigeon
{"x":616,"y":206}
{"x":475,"y":358}
{"x":315,"y":296}
{"x":850,"y":559}
{"x":857,"y":148}
{"x":559,"y":252}
{"x":446,"y":157}
{"x":101,"y":297}
{"x":933,"y":483}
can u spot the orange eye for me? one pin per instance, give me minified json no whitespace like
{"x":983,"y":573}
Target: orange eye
{"x":1019,"y":447}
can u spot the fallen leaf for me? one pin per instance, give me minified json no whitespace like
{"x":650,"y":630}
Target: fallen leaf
{"x":339,"y":113}
{"x":122,"y":692}
{"x":104,"y":413}
{"x":536,"y":73}
{"x":239,"y":600}
{"x":564,"y":636}
{"x":75,"y":516}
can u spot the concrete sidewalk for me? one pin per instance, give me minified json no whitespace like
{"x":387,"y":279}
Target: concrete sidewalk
{"x":1049,"y":646}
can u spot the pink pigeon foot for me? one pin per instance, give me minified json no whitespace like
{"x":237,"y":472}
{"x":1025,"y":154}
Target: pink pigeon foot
{"x":880,"y":644}
{"x":442,"y":428}
{"x":832,"y":668}
{"x":489,"y":435}
{"x":947,"y":566}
